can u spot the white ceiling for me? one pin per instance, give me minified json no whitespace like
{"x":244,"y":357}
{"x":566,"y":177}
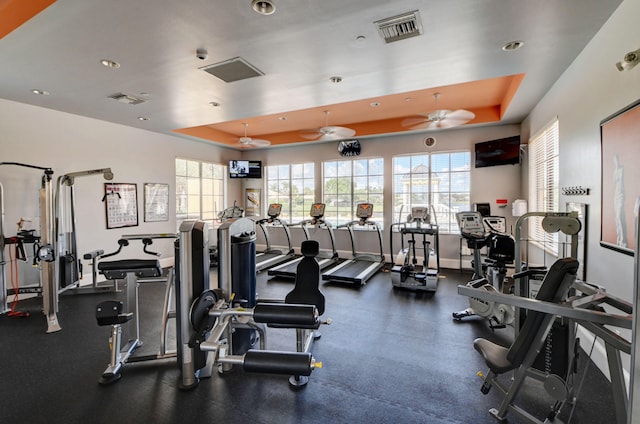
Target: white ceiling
{"x":298,"y":48}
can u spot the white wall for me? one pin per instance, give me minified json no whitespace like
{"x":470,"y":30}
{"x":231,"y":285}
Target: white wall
{"x":590,"y":90}
{"x":69,"y":143}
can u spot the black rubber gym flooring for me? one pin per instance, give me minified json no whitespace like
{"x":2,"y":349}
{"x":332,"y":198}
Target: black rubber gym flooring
{"x":390,"y":356}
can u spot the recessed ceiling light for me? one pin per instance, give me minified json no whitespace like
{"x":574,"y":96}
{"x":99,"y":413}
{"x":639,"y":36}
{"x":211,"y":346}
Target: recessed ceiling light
{"x":142,"y":118}
{"x":214,"y":104}
{"x":374,"y":104}
{"x":283,"y":118}
{"x":512,"y":46}
{"x":335,"y":79}
{"x":110,"y":63}
{"x":263,"y":7}
{"x":40,"y":92}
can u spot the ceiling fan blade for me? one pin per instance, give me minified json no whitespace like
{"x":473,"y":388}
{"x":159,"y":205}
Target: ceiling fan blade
{"x":336,"y":133}
{"x":416,"y":122}
{"x":256,"y":142}
{"x":310,"y":134}
{"x":249,"y":143}
{"x":460,"y":115}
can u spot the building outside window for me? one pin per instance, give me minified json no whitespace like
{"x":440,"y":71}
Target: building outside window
{"x":293,"y":186}
{"x":440,"y":181}
{"x":200,"y":191}
{"x":346,"y":183}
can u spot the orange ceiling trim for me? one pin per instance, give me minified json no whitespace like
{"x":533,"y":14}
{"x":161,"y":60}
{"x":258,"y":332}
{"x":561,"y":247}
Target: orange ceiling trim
{"x":14,"y":13}
{"x":487,"y":99}
{"x":511,"y":92}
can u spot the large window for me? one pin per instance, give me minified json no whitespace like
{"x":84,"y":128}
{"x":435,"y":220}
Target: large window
{"x":441,"y":180}
{"x":543,"y":183}
{"x":293,"y":186}
{"x":200,"y":191}
{"x":349,"y":182}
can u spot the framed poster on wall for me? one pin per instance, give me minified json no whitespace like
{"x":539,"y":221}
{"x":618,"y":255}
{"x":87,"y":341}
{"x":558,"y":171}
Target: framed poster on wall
{"x":121,"y":205}
{"x":252,"y":202}
{"x":620,"y":189}
{"x":156,"y":202}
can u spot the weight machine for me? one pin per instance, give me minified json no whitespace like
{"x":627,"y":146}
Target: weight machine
{"x":125,"y":315}
{"x":406,"y":272}
{"x":44,"y":253}
{"x":222,"y":327}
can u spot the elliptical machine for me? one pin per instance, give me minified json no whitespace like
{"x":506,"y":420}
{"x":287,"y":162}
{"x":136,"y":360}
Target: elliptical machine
{"x":489,"y":274}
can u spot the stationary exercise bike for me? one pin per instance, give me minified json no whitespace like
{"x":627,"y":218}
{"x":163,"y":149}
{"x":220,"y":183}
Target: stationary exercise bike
{"x":489,"y":274}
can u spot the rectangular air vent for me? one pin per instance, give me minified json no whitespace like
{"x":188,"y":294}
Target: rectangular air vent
{"x":127,"y":98}
{"x":231,"y":70}
{"x":400,"y":27}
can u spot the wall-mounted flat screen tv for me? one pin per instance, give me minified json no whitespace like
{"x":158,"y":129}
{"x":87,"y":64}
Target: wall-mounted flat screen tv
{"x":503,"y":151}
{"x":245,"y":169}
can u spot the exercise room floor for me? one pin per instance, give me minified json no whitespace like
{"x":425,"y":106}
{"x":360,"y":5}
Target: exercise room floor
{"x":390,"y":356}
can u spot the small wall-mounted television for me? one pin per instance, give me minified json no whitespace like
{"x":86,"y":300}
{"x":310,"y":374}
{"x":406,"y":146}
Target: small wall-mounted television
{"x":503,"y":151}
{"x":245,"y":169}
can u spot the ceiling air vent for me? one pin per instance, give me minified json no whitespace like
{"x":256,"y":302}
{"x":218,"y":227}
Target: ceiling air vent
{"x":127,"y":98}
{"x":231,"y":70}
{"x":400,"y":27}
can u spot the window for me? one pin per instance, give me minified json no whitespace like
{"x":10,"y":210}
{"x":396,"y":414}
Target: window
{"x":543,"y":184}
{"x":200,"y":191}
{"x":293,"y":186}
{"x":349,"y":182}
{"x":442,"y":180}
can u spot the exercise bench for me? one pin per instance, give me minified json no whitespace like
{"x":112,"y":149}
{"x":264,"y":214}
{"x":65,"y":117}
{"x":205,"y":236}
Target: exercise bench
{"x":113,"y":313}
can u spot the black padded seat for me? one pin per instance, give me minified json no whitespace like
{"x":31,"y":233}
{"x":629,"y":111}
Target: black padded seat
{"x":306,"y":290}
{"x":113,"y":270}
{"x":500,"y":359}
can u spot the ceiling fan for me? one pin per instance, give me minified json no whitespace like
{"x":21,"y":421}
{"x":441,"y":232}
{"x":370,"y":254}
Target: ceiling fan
{"x":246,"y":142}
{"x":328,"y":132}
{"x":439,"y":118}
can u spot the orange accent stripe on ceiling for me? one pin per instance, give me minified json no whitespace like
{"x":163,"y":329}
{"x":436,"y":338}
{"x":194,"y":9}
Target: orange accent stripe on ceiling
{"x":14,"y":13}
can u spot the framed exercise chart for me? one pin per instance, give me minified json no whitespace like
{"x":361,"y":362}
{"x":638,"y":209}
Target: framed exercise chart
{"x":121,"y":205}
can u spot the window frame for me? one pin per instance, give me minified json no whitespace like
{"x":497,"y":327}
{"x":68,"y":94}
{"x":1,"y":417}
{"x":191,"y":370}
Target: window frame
{"x":426,"y":197}
{"x":342,"y":201}
{"x":543,"y":175}
{"x":200,"y":181}
{"x":292,"y":173}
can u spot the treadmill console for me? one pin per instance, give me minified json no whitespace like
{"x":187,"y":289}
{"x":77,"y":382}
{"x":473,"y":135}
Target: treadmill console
{"x":364,"y":211}
{"x":317,"y":212}
{"x":274,"y":210}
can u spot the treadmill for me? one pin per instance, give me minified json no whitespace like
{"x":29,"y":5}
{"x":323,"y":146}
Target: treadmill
{"x":325,"y":258}
{"x":270,"y":256}
{"x":360,"y":267}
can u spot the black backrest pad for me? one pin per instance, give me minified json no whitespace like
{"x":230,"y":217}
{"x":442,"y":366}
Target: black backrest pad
{"x":306,"y":290}
{"x":551,"y":290}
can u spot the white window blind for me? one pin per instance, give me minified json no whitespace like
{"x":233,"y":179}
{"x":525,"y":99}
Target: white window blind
{"x":543,"y":184}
